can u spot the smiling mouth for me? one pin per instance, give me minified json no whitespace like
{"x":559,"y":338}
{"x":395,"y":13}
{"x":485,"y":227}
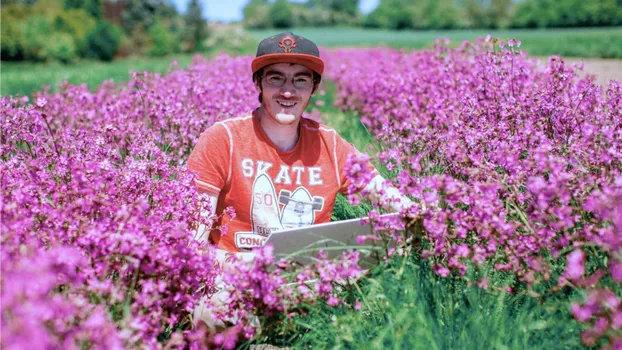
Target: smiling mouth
{"x":286,"y":104}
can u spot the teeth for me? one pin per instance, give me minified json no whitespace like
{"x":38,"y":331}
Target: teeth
{"x":287,"y":104}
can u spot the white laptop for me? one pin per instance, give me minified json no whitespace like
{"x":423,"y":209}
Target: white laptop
{"x":302,"y":244}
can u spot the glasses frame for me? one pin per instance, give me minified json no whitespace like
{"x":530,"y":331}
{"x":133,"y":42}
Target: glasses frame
{"x":313,"y":81}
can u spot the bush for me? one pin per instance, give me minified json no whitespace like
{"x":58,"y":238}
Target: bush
{"x":257,"y":16}
{"x":12,"y":32}
{"x":61,"y":47}
{"x":392,"y":14}
{"x":36,"y":34}
{"x":163,"y":41}
{"x":77,"y":23}
{"x":281,"y":14}
{"x":103,"y":41}
{"x":567,"y":13}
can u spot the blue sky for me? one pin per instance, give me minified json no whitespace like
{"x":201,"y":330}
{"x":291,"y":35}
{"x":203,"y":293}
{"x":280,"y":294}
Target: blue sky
{"x":231,"y":10}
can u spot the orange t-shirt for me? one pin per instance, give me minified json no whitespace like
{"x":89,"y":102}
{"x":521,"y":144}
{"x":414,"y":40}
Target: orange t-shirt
{"x":269,"y":189}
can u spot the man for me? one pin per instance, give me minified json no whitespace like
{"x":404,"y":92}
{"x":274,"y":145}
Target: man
{"x":275,"y":168}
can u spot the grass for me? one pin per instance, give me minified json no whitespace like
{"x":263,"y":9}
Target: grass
{"x":405,"y":306}
{"x":574,"y":42}
{"x":24,"y":78}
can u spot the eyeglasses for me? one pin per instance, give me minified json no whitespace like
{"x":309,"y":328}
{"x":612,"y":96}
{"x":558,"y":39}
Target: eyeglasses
{"x":301,"y":81}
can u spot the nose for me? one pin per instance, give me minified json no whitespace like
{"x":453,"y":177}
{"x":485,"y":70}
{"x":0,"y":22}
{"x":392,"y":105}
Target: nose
{"x":288,"y":89}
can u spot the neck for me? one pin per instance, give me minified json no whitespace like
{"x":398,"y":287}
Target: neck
{"x":284,"y":137}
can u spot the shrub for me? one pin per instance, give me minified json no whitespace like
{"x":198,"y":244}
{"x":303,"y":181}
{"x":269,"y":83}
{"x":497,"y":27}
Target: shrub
{"x":61,"y":47}
{"x":281,"y":14}
{"x":163,"y":40}
{"x":12,"y":32}
{"x":103,"y":41}
{"x":77,"y":23}
{"x":36,"y":33}
{"x":257,"y":15}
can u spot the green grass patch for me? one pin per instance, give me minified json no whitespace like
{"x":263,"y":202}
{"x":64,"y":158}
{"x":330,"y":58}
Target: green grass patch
{"x":405,"y":306}
{"x":24,"y":78}
{"x":570,"y":42}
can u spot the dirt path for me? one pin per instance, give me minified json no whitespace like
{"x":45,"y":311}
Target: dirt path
{"x":604,"y":69}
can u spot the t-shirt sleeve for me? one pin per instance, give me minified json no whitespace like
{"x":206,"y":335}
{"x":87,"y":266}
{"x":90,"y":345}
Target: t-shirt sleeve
{"x":343,"y":148}
{"x":210,"y":160}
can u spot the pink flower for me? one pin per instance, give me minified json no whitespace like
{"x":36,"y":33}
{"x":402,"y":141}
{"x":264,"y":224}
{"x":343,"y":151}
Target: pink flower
{"x":575,"y":268}
{"x":41,"y":102}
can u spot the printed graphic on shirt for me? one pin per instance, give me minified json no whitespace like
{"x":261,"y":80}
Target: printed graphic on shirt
{"x":298,"y":210}
{"x":300,"y":207}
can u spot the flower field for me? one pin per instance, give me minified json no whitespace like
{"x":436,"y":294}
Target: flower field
{"x":516,"y":169}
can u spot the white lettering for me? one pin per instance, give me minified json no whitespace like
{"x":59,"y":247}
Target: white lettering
{"x":315,"y":176}
{"x":247,"y":167}
{"x":298,"y":170}
{"x":283,"y":176}
{"x":262,"y":167}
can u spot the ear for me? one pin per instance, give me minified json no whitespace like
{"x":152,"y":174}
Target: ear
{"x":257,"y":83}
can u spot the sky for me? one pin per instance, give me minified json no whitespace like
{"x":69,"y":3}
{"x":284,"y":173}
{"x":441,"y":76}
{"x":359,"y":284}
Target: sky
{"x":231,"y":10}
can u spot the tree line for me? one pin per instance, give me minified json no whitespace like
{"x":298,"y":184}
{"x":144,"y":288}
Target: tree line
{"x":68,"y":30}
{"x":435,"y":14}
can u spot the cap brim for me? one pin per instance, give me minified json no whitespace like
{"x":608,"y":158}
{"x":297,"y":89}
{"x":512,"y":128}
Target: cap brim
{"x":312,"y":62}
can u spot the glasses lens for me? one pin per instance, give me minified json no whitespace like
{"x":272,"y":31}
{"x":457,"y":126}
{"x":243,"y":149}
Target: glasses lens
{"x":302,"y":82}
{"x":276,"y":80}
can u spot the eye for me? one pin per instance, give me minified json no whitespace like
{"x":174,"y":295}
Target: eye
{"x":276,"y":80}
{"x":302,"y":81}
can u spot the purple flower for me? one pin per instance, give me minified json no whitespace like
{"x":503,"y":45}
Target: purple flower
{"x":575,"y":268}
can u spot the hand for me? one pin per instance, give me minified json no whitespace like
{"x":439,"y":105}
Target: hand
{"x":414,"y":214}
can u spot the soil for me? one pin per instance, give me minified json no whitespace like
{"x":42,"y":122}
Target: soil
{"x":604,"y":69}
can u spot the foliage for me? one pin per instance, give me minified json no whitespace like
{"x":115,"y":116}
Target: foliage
{"x":36,"y":32}
{"x":13,"y":35}
{"x":230,"y":38}
{"x":281,"y":14}
{"x":257,"y":14}
{"x":195,"y":27}
{"x":567,"y":13}
{"x":103,"y":41}
{"x":92,"y":7}
{"x":426,"y":14}
{"x":60,"y":47}
{"x":164,"y":42}
{"x":77,"y":23}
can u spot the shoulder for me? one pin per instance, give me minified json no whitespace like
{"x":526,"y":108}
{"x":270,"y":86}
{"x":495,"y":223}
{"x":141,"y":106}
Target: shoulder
{"x":314,"y":127}
{"x":224,"y":128}
{"x":242,"y":120}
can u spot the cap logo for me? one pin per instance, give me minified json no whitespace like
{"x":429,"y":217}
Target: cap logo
{"x":287,"y":43}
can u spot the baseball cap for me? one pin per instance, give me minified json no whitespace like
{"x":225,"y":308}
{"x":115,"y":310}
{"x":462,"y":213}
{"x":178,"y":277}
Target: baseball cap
{"x":288,"y":48}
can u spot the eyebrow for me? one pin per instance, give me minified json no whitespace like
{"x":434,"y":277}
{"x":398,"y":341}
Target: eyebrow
{"x":272,"y":71}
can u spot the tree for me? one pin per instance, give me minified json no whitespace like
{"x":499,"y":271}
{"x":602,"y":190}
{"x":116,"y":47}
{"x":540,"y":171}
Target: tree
{"x":142,"y":12}
{"x":257,"y":14}
{"x":195,"y":26}
{"x":281,"y":14}
{"x":92,"y":7}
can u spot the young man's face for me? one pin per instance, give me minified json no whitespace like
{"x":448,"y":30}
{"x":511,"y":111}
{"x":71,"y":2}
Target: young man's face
{"x":287,"y":89}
